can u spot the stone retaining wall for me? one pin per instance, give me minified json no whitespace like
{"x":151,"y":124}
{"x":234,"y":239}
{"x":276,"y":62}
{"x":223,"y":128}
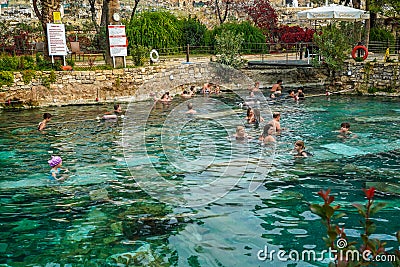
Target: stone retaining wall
{"x":75,"y":87}
{"x":369,"y":78}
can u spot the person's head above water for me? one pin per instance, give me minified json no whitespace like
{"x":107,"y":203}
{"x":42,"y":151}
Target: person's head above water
{"x":276,"y":115}
{"x":269,"y":129}
{"x":300,"y":144}
{"x":345,"y":125}
{"x":47,"y":116}
{"x":240,"y":132}
{"x":55,"y":160}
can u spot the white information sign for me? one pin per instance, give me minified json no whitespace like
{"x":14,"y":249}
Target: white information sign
{"x":118,"y":41}
{"x":56,"y":39}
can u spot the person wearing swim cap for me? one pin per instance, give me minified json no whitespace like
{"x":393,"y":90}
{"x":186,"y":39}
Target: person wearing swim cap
{"x":55,"y":163}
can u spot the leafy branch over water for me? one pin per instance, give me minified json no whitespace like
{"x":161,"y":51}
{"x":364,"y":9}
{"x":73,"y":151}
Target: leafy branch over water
{"x":371,"y":249}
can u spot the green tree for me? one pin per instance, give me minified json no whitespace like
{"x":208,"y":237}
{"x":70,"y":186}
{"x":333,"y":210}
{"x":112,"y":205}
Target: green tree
{"x":334,"y":46}
{"x":228,"y":45}
{"x":155,"y":30}
{"x":193,"y":31}
{"x":251,"y":35}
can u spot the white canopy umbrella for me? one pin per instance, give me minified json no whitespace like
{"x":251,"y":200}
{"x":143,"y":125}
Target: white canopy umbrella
{"x":334,"y":12}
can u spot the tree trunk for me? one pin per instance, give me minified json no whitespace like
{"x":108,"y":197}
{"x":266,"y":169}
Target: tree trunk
{"x":367,"y":25}
{"x":222,"y":17}
{"x":46,"y":16}
{"x":92,"y":4}
{"x":112,"y":7}
{"x":134,"y":9}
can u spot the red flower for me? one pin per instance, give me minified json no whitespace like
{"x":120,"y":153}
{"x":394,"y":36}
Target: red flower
{"x":325,"y":196}
{"x":369,"y":193}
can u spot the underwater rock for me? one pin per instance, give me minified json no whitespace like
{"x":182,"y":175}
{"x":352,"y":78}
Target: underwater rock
{"x":25,"y":225}
{"x":99,"y":194}
{"x":3,"y":247}
{"x":117,"y":227}
{"x":83,"y":232}
{"x":139,"y":257}
{"x":173,"y":220}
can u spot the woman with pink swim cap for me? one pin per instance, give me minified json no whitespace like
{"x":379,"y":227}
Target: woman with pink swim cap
{"x":55,"y":164}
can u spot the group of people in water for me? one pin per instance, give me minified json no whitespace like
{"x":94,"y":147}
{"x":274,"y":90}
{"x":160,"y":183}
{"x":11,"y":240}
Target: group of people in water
{"x":56,"y":161}
{"x":253,"y":116}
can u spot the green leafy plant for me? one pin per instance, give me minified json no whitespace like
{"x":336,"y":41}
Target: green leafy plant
{"x":154,"y":29}
{"x":6,"y":78}
{"x":70,"y":62}
{"x":139,"y":55}
{"x":334,"y":47}
{"x":52,"y":77}
{"x":372,"y":90}
{"x":9,"y":63}
{"x":117,"y":81}
{"x":46,"y":82}
{"x":228,"y":45}
{"x":27,"y":76}
{"x":359,"y":59}
{"x":336,"y":238}
{"x":253,"y":37}
{"x":193,"y":31}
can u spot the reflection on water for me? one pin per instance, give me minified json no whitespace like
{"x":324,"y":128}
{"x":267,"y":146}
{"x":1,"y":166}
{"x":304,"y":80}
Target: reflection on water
{"x":109,"y":212}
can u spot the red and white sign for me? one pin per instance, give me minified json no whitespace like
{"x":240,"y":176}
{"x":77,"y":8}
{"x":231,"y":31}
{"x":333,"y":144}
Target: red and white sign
{"x":56,"y":39}
{"x":118,"y":41}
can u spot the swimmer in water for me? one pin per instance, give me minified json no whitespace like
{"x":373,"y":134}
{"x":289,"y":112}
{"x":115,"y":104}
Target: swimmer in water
{"x":300,"y":148}
{"x":267,"y":135}
{"x":43,"y":123}
{"x":55,"y":164}
{"x":241,"y":133}
{"x":190,"y":109}
{"x":345,"y":132}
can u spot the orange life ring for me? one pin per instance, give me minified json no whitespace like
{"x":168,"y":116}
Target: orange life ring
{"x":358,"y":47}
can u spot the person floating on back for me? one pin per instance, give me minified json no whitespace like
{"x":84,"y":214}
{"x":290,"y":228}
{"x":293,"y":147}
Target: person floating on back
{"x":112,"y":115}
{"x":43,"y":123}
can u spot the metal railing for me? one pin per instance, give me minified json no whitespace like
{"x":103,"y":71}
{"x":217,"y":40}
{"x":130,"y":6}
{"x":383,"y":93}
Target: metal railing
{"x":258,"y":51}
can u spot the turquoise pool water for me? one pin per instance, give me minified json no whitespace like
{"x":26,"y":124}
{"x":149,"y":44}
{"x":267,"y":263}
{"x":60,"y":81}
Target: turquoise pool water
{"x":174,"y":190}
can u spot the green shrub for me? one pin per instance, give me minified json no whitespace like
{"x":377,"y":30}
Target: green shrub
{"x":154,"y":29}
{"x":70,"y":62}
{"x":334,"y":46}
{"x":9,"y":63}
{"x":27,"y":63}
{"x":381,"y":35}
{"x":359,"y":59}
{"x":372,"y":90}
{"x":251,"y":36}
{"x":46,"y":82}
{"x":193,"y":32}
{"x":27,"y":76}
{"x":6,"y":78}
{"x":227,"y":47}
{"x":52,"y":77}
{"x":41,"y":63}
{"x":139,"y":55}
